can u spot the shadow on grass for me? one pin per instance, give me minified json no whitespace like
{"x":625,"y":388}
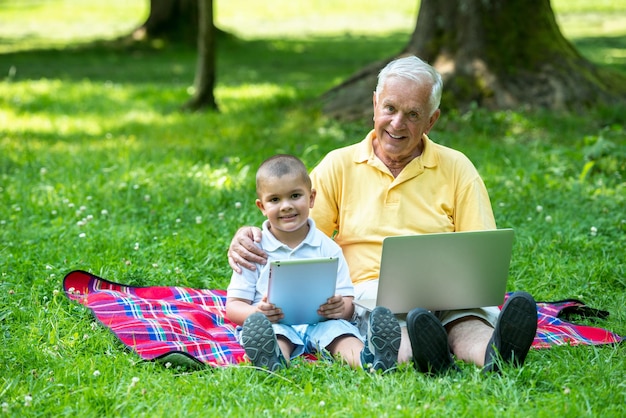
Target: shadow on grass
{"x":104,"y":80}
{"x":283,"y":61}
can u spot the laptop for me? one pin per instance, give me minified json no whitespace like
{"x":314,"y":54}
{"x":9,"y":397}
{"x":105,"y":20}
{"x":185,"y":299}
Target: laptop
{"x":442,"y":271}
{"x":300,"y":287}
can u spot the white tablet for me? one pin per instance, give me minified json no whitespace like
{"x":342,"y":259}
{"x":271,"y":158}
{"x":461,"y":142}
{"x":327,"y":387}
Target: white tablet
{"x":300,"y":287}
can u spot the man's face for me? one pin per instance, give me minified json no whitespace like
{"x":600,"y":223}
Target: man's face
{"x":401,"y":116}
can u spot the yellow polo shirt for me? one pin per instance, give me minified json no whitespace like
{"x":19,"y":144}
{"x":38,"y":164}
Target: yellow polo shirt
{"x":360,"y":202}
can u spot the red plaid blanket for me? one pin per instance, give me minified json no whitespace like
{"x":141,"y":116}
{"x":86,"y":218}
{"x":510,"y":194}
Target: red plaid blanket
{"x":159,"y":322}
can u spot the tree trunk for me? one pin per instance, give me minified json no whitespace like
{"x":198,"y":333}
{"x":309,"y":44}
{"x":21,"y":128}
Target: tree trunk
{"x":204,"y":84}
{"x":499,"y":54}
{"x":171,"y":19}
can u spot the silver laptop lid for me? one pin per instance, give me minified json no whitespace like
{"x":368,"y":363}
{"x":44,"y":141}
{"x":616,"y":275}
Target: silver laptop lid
{"x":457,"y":270}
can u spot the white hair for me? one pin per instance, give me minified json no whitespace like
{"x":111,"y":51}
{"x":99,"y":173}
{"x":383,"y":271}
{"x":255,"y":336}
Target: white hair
{"x":413,"y":68}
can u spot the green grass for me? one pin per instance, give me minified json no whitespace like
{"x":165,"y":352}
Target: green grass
{"x":99,"y":171}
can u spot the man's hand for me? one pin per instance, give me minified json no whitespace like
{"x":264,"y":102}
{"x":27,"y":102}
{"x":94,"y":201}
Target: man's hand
{"x":243,"y":252}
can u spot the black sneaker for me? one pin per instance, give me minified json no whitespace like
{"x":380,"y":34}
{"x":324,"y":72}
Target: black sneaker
{"x":259,"y":342}
{"x":429,"y":342}
{"x":383,"y":338}
{"x":514,"y":333}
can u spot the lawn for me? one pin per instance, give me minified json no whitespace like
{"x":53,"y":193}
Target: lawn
{"x":99,"y":171}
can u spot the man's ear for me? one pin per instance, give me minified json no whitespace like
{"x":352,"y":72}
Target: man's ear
{"x":433,"y":119}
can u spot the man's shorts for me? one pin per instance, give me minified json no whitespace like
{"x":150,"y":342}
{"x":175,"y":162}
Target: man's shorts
{"x":368,"y":290}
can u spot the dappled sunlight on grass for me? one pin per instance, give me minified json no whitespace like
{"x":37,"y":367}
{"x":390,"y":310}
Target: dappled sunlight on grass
{"x":246,"y":96}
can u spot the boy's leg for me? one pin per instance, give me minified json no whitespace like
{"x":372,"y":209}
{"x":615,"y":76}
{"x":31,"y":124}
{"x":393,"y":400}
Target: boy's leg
{"x":286,"y":347}
{"x":348,"y":348}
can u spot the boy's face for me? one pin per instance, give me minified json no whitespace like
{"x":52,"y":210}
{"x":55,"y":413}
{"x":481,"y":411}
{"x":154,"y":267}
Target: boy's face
{"x":285,"y":201}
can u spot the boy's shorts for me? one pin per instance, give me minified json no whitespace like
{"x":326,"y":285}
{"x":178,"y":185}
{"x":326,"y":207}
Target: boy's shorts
{"x":315,"y":338}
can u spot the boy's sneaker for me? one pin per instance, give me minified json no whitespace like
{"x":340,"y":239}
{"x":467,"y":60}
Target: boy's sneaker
{"x":383,"y":338}
{"x":260,"y":343}
{"x":514,"y":333}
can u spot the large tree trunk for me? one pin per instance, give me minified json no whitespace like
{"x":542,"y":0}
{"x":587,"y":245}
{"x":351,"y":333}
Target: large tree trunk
{"x":203,"y":97}
{"x":172,"y":19}
{"x":499,"y":54}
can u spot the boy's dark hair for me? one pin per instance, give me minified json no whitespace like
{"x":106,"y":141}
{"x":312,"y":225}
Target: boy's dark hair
{"x":279,"y":165}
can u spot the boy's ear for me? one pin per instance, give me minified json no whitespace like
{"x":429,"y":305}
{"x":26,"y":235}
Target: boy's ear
{"x":312,"y":198}
{"x":259,"y":205}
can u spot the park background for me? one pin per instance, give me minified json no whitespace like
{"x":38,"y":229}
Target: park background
{"x":100,"y":171}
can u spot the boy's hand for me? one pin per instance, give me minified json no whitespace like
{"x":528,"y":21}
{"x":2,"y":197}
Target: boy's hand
{"x":333,"y":308}
{"x":271,"y":311}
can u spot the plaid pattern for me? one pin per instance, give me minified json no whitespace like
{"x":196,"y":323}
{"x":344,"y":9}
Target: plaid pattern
{"x":159,"y":321}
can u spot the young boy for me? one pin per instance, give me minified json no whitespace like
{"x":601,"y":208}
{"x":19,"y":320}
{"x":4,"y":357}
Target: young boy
{"x":284,"y":196}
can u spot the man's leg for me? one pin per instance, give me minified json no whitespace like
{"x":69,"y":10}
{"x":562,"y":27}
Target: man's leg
{"x":468,"y":338}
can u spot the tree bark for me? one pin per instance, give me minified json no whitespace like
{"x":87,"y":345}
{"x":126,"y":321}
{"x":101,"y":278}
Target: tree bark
{"x":171,"y":19}
{"x":204,"y":83}
{"x":498,"y":54}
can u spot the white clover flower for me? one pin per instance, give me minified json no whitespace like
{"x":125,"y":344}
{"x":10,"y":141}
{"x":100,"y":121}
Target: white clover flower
{"x":96,"y":373}
{"x":104,"y":212}
{"x":43,"y":171}
{"x":133,"y":382}
{"x":548,"y":218}
{"x":136,"y":186}
{"x":82,"y":235}
{"x":89,"y":218}
{"x":237,"y":205}
{"x":198,"y":219}
{"x":593,"y":231}
{"x":178,"y":220}
{"x":501,"y":204}
{"x":146,"y":198}
{"x":136,"y":247}
{"x":5,"y":407}
{"x":83,"y":208}
{"x":539,"y":208}
{"x":168,"y":365}
{"x":55,"y":292}
{"x":220,"y":216}
{"x":89,"y":198}
{"x":322,"y":403}
{"x":70,"y":205}
{"x":48,"y":267}
{"x":54,"y":213}
{"x":28,"y":400}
